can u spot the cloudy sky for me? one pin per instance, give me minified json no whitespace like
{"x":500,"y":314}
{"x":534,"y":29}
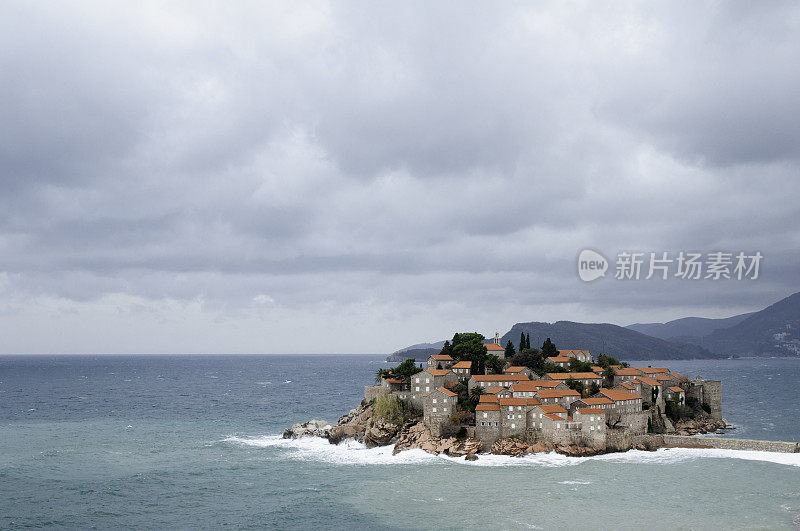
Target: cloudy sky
{"x":356,"y":177}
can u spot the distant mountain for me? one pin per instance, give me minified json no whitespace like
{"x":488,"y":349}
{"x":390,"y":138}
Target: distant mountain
{"x":418,"y":354}
{"x":620,"y":342}
{"x":774,"y":331}
{"x":688,"y":327}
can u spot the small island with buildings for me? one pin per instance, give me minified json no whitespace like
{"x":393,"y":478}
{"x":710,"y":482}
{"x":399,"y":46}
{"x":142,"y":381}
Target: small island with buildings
{"x":477,"y":396}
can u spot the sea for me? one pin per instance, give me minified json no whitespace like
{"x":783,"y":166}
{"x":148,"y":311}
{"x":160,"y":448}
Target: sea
{"x":194,"y":442}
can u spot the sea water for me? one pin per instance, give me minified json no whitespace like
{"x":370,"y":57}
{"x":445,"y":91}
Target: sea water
{"x":194,"y":442}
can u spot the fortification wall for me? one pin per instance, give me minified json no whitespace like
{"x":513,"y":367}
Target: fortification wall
{"x":712,"y":395}
{"x":372,"y":391}
{"x":687,"y":441}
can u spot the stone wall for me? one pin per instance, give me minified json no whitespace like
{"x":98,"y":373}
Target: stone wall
{"x":686,"y":441}
{"x":372,"y":391}
{"x":712,"y":395}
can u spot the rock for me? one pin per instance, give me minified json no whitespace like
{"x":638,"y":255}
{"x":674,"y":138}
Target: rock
{"x":512,"y":447}
{"x":576,"y":451}
{"x":471,"y":457}
{"x":538,"y":448}
{"x":313,"y":428}
{"x":380,"y":434}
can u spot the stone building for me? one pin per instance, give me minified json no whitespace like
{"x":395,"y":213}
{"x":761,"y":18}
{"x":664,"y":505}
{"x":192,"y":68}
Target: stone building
{"x":515,"y":369}
{"x":670,"y":392}
{"x":437,"y":410}
{"x":586,"y":378}
{"x":563,"y":398}
{"x":463,"y":369}
{"x":496,"y":349}
{"x":426,"y":381}
{"x":440,"y":361}
{"x":561,"y":361}
{"x":580,"y":355}
{"x":623,"y":374}
{"x":487,"y":422}
{"x":495,"y":380}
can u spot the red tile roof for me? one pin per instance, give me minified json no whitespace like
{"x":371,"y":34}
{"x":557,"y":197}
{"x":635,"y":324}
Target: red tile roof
{"x":438,"y":372}
{"x":493,"y":347}
{"x":487,"y":407}
{"x":463,"y":365}
{"x":558,"y":359}
{"x":487,"y":399}
{"x":629,"y":386}
{"x":597,"y":369}
{"x":591,"y":411}
{"x":553,"y":416}
{"x":557,"y":393}
{"x":627,"y":371}
{"x":596,"y":401}
{"x":513,"y":402}
{"x":533,"y":385}
{"x":676,"y":390}
{"x":500,"y":377}
{"x":618,"y":395}
{"x":552,"y":408}
{"x":653,"y":370}
{"x":649,"y":381}
{"x":393,"y":380}
{"x":442,"y":357}
{"x":514,"y":369}
{"x":662,"y":378}
{"x":574,"y":375}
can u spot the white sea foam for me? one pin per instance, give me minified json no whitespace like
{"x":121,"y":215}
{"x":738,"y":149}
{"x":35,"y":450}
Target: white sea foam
{"x":351,"y":452}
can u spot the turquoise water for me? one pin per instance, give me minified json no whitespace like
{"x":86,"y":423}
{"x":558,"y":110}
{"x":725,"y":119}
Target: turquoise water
{"x":193,"y":442}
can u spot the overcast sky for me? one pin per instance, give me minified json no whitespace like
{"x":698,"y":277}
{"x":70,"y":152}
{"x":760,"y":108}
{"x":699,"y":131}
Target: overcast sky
{"x":357,"y":177}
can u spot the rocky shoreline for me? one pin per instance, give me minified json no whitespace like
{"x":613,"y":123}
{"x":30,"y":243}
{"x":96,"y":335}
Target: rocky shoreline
{"x":359,"y":424}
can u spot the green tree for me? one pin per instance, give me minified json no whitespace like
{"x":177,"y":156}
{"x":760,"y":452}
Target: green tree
{"x":532,"y":359}
{"x":575,"y":365}
{"x":522,"y":345}
{"x":549,"y":349}
{"x":447,"y":349}
{"x":593,"y":389}
{"x":575,"y":385}
{"x":528,"y":340}
{"x":510,"y":352}
{"x":494,"y":364}
{"x":406,"y":369}
{"x":469,"y":347}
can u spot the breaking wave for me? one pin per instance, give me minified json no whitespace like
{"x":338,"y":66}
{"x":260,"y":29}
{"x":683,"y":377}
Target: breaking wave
{"x":351,"y":452}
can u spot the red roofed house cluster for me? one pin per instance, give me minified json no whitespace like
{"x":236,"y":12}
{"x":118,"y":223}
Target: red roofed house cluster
{"x":520,"y":403}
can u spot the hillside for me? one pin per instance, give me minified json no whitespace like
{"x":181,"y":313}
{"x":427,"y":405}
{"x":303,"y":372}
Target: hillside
{"x":774,"y":331}
{"x":617,"y":341}
{"x":418,"y":354}
{"x":687,"y":327}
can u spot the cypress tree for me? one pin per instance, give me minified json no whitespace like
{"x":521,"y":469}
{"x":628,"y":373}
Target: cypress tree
{"x":510,"y":352}
{"x":528,"y":341}
{"x":521,"y":341}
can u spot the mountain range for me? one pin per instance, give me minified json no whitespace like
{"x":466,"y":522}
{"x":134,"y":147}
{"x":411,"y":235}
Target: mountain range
{"x":771,"y":332}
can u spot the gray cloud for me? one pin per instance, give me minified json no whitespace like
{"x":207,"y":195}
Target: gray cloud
{"x":351,"y":178}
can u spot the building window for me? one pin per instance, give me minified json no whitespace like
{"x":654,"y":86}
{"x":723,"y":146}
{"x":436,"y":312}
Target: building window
{"x":485,"y":415}
{"x":434,"y":410}
{"x":427,"y":389}
{"x":444,"y":409}
{"x":513,"y":425}
{"x":434,"y":400}
{"x":418,"y":387}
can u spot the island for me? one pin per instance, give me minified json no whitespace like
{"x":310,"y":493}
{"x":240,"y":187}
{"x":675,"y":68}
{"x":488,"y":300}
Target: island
{"x":477,"y":396}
